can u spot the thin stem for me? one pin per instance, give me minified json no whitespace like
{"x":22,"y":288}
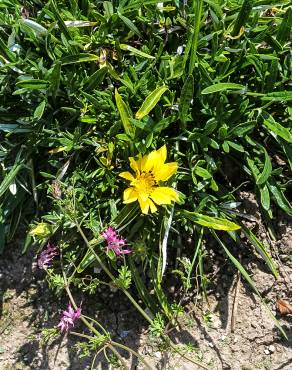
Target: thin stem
{"x":97,"y":323}
{"x":80,"y":335}
{"x":97,"y":353}
{"x":133,"y":352}
{"x":111,"y":276}
{"x":119,"y":356}
{"x":197,"y":10}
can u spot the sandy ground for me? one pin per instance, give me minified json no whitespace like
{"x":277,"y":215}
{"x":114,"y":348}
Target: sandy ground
{"x":250,"y":342}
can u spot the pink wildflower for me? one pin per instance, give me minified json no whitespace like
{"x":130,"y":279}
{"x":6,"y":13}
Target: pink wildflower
{"x":68,"y":318}
{"x":114,"y":242}
{"x":46,"y":256}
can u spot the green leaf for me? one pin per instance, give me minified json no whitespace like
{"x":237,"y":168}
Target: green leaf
{"x":95,"y":79}
{"x":279,"y":196}
{"x":211,"y":222}
{"x":267,"y":170}
{"x":202,"y":172}
{"x":125,"y":114}
{"x":9,"y":178}
{"x":278,"y":96}
{"x":265,"y":197}
{"x":135,"y":51}
{"x":34,"y":26}
{"x":222,"y":87}
{"x":130,"y":24}
{"x":262,"y":250}
{"x":150,"y":102}
{"x":33,"y":84}
{"x":39,"y":111}
{"x":186,"y":97}
{"x":278,"y":129}
{"x":242,"y":16}
{"x":54,"y":78}
{"x":79,"y":58}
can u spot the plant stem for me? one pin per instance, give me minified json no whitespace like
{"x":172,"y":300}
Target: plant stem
{"x":133,"y":352}
{"x":110,"y":275}
{"x":119,"y":356}
{"x":197,"y":10}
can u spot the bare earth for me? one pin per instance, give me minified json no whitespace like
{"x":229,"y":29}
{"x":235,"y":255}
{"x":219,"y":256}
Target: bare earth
{"x":27,"y":306}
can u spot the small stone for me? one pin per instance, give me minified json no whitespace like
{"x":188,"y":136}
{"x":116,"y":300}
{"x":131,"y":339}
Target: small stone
{"x":157,"y":354}
{"x":223,"y":338}
{"x":210,"y":344}
{"x":266,"y":351}
{"x":272,"y":348}
{"x":235,"y":340}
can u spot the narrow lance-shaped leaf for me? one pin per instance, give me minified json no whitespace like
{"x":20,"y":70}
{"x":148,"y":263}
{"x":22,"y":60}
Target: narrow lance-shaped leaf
{"x":54,"y":78}
{"x":125,"y":114}
{"x":262,"y":250}
{"x":33,"y":84}
{"x":136,"y":51}
{"x":151,"y":101}
{"x":242,"y":17}
{"x":130,"y":24}
{"x":267,"y":170}
{"x":265,"y":197}
{"x":79,"y":58}
{"x":279,"y":197}
{"x":39,"y":111}
{"x":278,"y":129}
{"x":186,"y":97}
{"x":9,"y":178}
{"x":211,"y":222}
{"x":222,"y":87}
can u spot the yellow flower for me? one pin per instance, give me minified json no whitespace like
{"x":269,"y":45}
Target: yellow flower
{"x":150,"y":171}
{"x":41,"y":229}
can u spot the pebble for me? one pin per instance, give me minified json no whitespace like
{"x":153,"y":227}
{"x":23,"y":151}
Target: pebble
{"x":157,"y":354}
{"x":266,"y":351}
{"x":272,"y":348}
{"x":223,"y":337}
{"x":210,"y":344}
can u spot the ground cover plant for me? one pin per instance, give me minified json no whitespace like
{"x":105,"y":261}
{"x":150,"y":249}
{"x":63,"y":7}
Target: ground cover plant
{"x":128,"y":129}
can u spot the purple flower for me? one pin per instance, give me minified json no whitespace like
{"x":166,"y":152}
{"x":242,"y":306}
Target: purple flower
{"x":114,"y":242}
{"x":46,"y":256}
{"x":68,"y":318}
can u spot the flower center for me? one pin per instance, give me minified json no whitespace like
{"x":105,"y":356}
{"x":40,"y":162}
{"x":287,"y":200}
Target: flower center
{"x":145,"y":182}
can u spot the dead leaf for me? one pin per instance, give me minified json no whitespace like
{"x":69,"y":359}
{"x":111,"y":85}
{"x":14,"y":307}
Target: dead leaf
{"x":284,"y":307}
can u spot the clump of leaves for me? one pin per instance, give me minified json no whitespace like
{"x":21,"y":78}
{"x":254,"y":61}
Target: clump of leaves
{"x":85,"y":85}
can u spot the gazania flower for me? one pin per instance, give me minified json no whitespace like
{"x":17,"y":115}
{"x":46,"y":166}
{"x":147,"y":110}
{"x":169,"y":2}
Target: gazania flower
{"x":145,"y":186}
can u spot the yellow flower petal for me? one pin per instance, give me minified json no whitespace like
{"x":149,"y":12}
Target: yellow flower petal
{"x":165,"y":171}
{"x":144,"y":205}
{"x":130,"y":195}
{"x":127,"y":176}
{"x":153,"y":207}
{"x":164,"y":195}
{"x":143,"y":195}
{"x":148,"y":161}
{"x":134,"y":164}
{"x":162,"y":153}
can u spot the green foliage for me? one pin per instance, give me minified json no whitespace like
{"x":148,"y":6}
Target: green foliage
{"x":124,"y":279}
{"x":85,"y":85}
